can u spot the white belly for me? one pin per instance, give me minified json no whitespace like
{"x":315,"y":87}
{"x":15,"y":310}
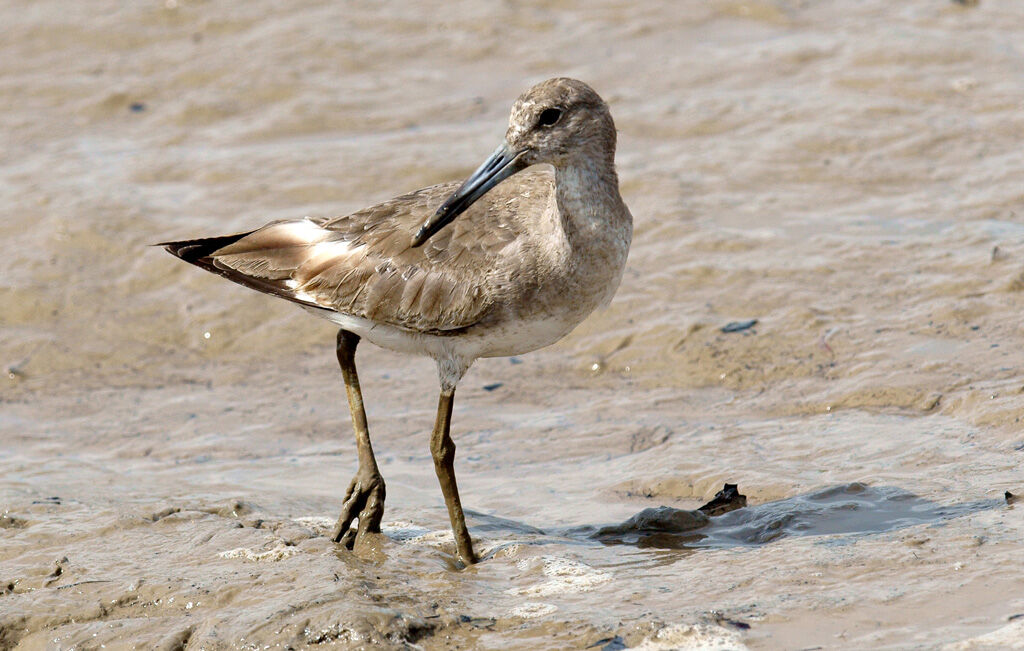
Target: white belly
{"x":508,"y":338}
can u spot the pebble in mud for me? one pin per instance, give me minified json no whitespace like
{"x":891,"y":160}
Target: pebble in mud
{"x":10,"y":521}
{"x":739,"y":326}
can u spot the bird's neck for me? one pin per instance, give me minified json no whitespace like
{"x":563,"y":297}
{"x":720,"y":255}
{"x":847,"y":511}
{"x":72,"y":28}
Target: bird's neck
{"x":589,"y":203}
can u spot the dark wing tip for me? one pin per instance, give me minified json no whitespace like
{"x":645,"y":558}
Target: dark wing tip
{"x":194,"y":251}
{"x":200,"y":253}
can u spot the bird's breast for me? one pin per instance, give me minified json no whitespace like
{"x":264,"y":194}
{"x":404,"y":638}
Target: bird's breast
{"x":564,"y":289}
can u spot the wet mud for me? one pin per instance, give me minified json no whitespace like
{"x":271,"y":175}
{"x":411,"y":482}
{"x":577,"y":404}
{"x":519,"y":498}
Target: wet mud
{"x":821,"y":305}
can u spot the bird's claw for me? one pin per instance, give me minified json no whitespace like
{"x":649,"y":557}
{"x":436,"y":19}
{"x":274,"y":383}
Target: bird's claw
{"x":364,"y":500}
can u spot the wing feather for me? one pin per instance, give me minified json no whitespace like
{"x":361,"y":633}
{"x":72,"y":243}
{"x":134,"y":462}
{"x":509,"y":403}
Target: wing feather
{"x":362,"y":264}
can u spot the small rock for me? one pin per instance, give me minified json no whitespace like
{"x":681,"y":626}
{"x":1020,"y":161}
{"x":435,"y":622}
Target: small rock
{"x":610,"y":644}
{"x":739,"y":326}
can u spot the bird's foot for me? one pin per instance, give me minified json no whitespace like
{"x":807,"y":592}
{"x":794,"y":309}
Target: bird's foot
{"x":364,"y":500}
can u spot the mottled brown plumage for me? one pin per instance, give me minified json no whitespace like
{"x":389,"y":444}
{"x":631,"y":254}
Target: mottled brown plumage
{"x":440,"y":287}
{"x":456,"y":272}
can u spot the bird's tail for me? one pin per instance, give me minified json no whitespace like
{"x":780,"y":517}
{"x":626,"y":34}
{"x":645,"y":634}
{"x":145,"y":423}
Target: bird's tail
{"x":202,"y":253}
{"x":194,"y":251}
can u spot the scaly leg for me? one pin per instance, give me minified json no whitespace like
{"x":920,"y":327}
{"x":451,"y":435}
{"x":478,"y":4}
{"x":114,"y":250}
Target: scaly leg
{"x":364,"y":498}
{"x":443,"y":450}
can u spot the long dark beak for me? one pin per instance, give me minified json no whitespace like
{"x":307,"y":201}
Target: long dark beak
{"x":502,"y":164}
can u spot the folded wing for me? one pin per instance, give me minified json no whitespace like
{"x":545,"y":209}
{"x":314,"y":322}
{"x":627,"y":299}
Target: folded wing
{"x":363,"y":265}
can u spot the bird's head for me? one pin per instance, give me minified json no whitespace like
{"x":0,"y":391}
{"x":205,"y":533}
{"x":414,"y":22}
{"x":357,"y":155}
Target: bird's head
{"x":560,"y":121}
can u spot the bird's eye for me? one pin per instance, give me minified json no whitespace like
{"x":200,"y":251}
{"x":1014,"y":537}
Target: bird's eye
{"x":548,"y":117}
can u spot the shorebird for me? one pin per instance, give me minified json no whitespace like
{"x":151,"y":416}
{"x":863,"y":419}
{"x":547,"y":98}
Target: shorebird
{"x":525,"y":263}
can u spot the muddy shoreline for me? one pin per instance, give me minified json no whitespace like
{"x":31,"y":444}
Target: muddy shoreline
{"x":821,"y":304}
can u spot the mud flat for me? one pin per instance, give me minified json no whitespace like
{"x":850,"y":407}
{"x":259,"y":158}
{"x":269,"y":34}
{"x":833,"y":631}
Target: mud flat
{"x":849,"y":175}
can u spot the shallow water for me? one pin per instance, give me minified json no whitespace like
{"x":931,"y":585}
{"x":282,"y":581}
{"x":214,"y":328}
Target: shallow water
{"x":838,"y":512}
{"x":172,"y":447}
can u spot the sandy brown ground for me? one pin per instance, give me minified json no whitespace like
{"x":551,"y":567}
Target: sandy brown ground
{"x":849,"y":174}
